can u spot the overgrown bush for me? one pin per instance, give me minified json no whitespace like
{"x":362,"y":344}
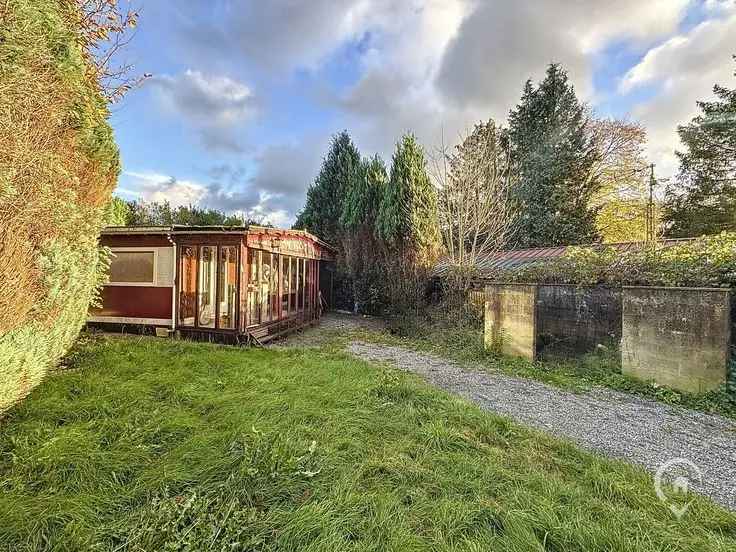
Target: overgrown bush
{"x":58,"y":166}
{"x":708,"y":261}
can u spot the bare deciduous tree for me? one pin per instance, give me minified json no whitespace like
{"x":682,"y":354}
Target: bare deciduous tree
{"x":477,"y":214}
{"x":620,"y":154}
{"x":623,"y":173}
{"x":106,"y":29}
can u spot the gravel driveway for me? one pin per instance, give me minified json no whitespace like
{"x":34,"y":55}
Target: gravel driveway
{"x":616,"y":424}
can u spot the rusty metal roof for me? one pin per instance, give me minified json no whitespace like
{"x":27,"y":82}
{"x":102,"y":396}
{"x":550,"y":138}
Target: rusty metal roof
{"x":186,"y":229}
{"x":516,"y":258}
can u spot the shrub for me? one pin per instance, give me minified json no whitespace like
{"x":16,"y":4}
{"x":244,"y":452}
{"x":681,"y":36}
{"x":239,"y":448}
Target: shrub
{"x":58,"y":166}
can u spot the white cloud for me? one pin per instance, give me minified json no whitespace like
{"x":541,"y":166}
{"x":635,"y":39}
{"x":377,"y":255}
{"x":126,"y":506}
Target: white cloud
{"x":396,"y":92}
{"x":684,"y":69}
{"x":432,"y":64}
{"x":443,"y":65}
{"x":273,"y":193}
{"x":277,"y":188}
{"x":157,"y":187}
{"x":215,"y":105}
{"x":500,"y":45}
{"x":280,"y":35}
{"x":427,"y":66}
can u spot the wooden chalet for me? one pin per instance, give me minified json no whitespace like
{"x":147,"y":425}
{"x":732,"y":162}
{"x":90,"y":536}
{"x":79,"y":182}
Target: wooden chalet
{"x":231,"y":284}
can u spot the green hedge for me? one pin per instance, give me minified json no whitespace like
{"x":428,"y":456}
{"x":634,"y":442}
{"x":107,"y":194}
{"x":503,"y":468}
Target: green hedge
{"x":58,"y":166}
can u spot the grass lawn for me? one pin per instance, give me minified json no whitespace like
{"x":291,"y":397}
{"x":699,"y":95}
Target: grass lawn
{"x":161,"y":445}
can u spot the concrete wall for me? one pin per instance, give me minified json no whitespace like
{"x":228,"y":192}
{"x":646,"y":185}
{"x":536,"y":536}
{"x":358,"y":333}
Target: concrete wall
{"x":574,"y":320}
{"x":510,"y":319}
{"x":677,"y":337}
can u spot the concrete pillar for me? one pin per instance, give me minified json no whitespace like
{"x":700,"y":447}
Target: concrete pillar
{"x":511,"y":319}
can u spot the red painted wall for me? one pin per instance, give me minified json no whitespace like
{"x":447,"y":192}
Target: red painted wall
{"x":135,"y":302}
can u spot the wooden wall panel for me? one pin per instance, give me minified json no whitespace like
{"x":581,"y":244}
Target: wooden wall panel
{"x":135,"y":302}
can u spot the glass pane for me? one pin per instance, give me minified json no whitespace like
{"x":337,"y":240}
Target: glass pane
{"x":207,"y":277}
{"x":187,"y":286}
{"x":274,"y":296}
{"x":299,"y":284}
{"x":308,"y":286}
{"x":131,"y":267}
{"x":228,"y":286}
{"x":293,"y":271}
{"x":254,"y":309}
{"x":265,"y":285}
{"x":285,"y":286}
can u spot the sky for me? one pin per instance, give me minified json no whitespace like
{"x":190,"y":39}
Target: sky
{"x":245,"y":95}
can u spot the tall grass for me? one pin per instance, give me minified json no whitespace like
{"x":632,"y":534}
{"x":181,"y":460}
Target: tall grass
{"x":157,"y":445}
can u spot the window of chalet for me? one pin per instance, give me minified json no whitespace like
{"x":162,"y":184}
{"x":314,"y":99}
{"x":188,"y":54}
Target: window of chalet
{"x":132,"y":267}
{"x":293,"y":278}
{"x":188,"y":286}
{"x":309,"y":286}
{"x":265,"y":262}
{"x":207,"y":279}
{"x":285,"y":278}
{"x":254,"y":295}
{"x":228,"y":280}
{"x":274,"y":287}
{"x":300,"y":284}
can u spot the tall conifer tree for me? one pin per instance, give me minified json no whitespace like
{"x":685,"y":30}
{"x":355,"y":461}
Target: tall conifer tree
{"x":554,"y":157}
{"x":408,"y":213}
{"x":361,"y":247}
{"x":706,"y":200}
{"x":323,"y":211}
{"x":407,"y":226}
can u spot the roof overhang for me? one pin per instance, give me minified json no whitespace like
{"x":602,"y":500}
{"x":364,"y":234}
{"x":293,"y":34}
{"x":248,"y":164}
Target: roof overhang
{"x":179,"y":229}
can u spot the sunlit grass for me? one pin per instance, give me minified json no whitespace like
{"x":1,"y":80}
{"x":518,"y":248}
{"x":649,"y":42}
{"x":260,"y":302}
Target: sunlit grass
{"x":158,"y":445}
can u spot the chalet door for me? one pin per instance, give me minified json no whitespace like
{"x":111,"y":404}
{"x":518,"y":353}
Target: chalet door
{"x":206,"y":292}
{"x":188,"y":286}
{"x":227,"y":288}
{"x":208,"y":286}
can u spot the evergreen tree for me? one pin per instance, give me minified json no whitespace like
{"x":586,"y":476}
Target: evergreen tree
{"x":554,"y":157}
{"x":364,"y":196}
{"x":407,"y":226}
{"x":361,"y":248}
{"x":407,"y":215}
{"x":117,"y":212}
{"x":323,"y":211}
{"x":706,"y":202}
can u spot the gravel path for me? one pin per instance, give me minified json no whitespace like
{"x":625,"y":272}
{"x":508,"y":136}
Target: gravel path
{"x":332,"y":323}
{"x":616,"y":424}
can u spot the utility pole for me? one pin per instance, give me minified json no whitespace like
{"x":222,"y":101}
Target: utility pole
{"x":650,"y":206}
